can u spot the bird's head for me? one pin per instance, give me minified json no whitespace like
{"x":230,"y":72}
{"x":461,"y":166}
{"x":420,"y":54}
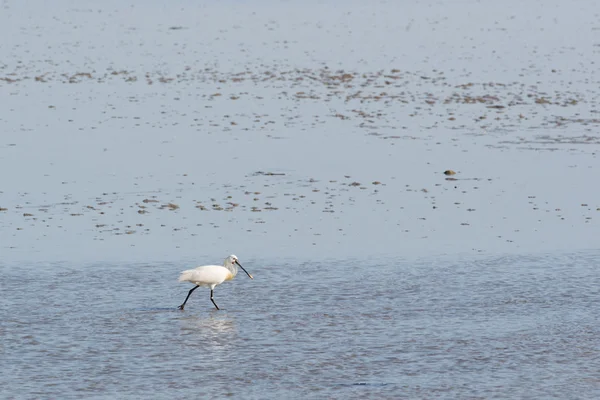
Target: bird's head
{"x":232,"y":259}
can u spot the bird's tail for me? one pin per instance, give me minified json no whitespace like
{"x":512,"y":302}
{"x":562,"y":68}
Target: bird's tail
{"x":186,"y":275}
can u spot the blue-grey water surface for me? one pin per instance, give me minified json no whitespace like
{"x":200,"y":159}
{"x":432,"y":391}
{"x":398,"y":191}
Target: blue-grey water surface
{"x":500,"y":327}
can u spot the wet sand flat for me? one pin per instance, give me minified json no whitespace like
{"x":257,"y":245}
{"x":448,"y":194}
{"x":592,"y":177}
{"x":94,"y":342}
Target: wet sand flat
{"x":148,"y":132}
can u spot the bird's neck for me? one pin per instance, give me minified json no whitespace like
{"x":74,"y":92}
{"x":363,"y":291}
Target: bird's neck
{"x":231,"y":267}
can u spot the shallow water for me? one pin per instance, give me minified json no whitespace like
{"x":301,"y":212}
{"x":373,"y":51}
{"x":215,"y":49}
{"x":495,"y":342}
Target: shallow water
{"x":503,"y":327}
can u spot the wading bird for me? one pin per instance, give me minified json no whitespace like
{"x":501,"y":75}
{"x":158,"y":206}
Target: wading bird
{"x":211,"y":276}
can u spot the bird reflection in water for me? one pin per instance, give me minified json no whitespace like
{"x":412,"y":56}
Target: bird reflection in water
{"x":209,"y":332}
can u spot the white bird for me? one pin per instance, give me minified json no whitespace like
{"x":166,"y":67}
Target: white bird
{"x":211,"y":276}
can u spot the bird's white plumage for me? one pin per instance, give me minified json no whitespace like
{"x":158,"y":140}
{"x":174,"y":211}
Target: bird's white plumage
{"x":206,"y":275}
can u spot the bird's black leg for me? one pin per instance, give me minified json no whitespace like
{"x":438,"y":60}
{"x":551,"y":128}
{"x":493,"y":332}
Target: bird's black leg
{"x":211,"y":299}
{"x":188,"y":296}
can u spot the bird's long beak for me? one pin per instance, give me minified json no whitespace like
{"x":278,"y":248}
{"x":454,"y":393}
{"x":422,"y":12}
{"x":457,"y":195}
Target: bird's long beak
{"x":244,"y":270}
